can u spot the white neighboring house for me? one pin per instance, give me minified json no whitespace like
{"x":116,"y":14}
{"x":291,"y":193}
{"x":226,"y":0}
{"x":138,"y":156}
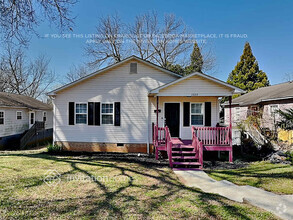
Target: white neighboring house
{"x":114,"y":109}
{"x":18,"y":113}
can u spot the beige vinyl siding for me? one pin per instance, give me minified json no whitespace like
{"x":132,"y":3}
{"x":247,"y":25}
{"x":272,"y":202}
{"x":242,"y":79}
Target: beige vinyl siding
{"x":196,"y":86}
{"x":11,"y":125}
{"x":114,"y":85}
{"x":184,"y":132}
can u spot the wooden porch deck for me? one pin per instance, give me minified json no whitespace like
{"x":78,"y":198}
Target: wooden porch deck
{"x":188,"y":154}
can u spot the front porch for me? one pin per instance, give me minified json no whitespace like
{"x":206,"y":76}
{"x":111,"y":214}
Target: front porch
{"x":188,"y":154}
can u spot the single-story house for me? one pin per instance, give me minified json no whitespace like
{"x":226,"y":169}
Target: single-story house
{"x":117,"y":108}
{"x":18,"y":113}
{"x":263,"y":102}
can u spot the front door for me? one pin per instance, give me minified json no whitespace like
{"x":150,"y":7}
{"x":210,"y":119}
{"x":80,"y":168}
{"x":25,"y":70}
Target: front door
{"x":31,"y":119}
{"x":172,"y":118}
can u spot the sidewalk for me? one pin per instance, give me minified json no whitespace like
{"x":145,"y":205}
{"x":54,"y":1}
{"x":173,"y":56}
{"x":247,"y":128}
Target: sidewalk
{"x":280,"y":205}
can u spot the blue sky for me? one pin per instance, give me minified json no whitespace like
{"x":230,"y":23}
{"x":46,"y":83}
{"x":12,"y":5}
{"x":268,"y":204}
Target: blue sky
{"x":268,"y":25}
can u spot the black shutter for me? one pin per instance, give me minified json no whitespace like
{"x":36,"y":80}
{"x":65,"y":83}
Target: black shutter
{"x":208,"y":114}
{"x":90,"y":113}
{"x":97,"y":113}
{"x":117,"y":114}
{"x":71,"y":113}
{"x":186,"y":115}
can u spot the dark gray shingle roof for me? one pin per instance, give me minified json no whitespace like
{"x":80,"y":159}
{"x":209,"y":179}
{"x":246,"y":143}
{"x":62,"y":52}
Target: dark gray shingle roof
{"x":14,"y":100}
{"x":275,"y":92}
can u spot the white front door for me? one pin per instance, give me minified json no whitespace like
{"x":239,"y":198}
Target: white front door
{"x":32,"y":118}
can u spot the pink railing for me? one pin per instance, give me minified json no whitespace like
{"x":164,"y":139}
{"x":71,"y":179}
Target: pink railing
{"x":213,"y":136}
{"x":159,"y":137}
{"x":169,"y":145}
{"x":198,"y":146}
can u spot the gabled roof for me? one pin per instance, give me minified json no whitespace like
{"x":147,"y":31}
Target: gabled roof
{"x":110,"y":67}
{"x":236,"y":89}
{"x":270,"y":93}
{"x":21,"y":101}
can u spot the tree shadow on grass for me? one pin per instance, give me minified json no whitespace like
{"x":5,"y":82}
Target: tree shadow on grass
{"x":107,"y":203}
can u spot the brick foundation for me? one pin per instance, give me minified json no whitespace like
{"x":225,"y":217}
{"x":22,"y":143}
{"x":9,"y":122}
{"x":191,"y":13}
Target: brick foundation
{"x":104,"y":147}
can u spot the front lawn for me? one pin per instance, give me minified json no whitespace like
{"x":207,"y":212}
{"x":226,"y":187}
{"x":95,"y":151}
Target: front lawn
{"x":276,"y":178}
{"x":98,"y":187}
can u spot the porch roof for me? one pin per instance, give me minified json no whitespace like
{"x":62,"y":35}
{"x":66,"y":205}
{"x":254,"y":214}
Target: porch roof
{"x":232,"y":89}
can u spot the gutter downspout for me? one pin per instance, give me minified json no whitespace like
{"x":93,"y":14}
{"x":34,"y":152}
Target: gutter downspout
{"x":148,"y":132}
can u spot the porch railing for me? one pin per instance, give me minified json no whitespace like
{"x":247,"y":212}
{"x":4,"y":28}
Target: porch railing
{"x":159,"y":137}
{"x":169,"y":145}
{"x":198,"y":146}
{"x":213,"y":136}
{"x":25,"y":140}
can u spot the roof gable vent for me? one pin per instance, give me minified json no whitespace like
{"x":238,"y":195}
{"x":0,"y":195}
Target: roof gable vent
{"x":133,"y":67}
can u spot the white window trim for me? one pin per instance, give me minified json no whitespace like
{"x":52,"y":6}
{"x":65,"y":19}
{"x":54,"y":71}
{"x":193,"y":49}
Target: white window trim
{"x":3,"y":117}
{"x":203,"y":111}
{"x":101,"y":119}
{"x":271,"y":113}
{"x":45,"y":116}
{"x":86,"y":122}
{"x":20,"y":115}
{"x":237,"y":114}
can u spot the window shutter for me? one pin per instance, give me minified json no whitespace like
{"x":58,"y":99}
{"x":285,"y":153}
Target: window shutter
{"x":90,"y":113}
{"x":117,"y":114}
{"x":97,"y":109}
{"x":71,"y":113}
{"x":186,"y":115}
{"x":208,"y":113}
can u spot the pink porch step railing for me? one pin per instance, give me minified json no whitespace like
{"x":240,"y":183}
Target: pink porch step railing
{"x":198,"y":146}
{"x":169,"y":145}
{"x":213,"y":136}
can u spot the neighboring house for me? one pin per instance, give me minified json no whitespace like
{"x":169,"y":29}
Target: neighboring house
{"x":116,"y":108}
{"x":262,"y":102}
{"x":18,"y":113}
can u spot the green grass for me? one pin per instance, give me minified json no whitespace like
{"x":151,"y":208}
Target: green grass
{"x":276,"y":178}
{"x":120,"y":189}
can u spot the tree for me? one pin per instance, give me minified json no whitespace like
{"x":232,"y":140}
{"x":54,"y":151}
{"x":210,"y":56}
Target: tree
{"x":107,"y":44}
{"x":18,"y":19}
{"x":199,"y":62}
{"x":160,"y":42}
{"x":76,"y":72}
{"x":31,"y":78}
{"x":286,"y":117}
{"x":176,"y":68}
{"x":246,"y":74}
{"x":196,"y":60}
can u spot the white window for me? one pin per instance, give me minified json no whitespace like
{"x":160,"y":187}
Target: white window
{"x":107,"y":114}
{"x":237,"y":114}
{"x":44,"y":116}
{"x":1,"y":117}
{"x":18,"y":115}
{"x":197,"y":113}
{"x":273,"y":110}
{"x":81,"y":113}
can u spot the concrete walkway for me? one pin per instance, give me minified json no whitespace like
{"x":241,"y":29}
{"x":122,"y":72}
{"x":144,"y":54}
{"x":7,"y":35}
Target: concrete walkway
{"x":280,"y":205}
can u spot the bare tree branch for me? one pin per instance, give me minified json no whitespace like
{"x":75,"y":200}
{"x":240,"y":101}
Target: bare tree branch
{"x":108,"y":42}
{"x":76,"y":72}
{"x":23,"y":77}
{"x":18,"y":19}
